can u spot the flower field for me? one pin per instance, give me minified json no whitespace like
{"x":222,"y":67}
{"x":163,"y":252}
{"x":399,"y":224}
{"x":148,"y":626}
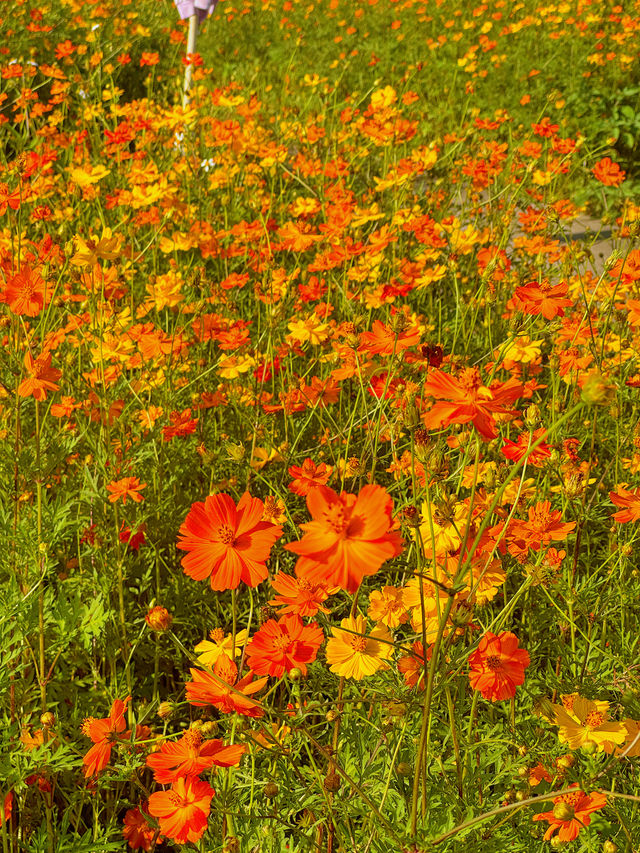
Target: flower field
{"x":319,"y":427}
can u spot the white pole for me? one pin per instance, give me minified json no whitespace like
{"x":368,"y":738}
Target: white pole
{"x":191,"y":49}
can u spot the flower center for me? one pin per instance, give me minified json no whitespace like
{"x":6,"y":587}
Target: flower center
{"x":358,"y":644}
{"x":85,"y":728}
{"x":192,"y":739}
{"x":175,"y":799}
{"x":217,"y":635}
{"x":226,"y":535}
{"x":304,"y":585}
{"x":281,"y":642}
{"x":594,"y":719}
{"x":494,"y":662}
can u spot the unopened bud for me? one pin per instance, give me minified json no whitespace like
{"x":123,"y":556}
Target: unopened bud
{"x":165,"y":710}
{"x":332,"y":782}
{"x":47,"y":719}
{"x":158,"y":618}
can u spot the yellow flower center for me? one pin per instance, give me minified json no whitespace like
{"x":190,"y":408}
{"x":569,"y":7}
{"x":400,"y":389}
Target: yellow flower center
{"x":217,"y":635}
{"x":494,"y":662}
{"x":594,"y":719}
{"x":226,"y":535}
{"x":358,"y":644}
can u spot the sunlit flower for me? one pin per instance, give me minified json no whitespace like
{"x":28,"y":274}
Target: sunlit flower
{"x":353,"y":653}
{"x":183,"y":811}
{"x":226,"y":543}
{"x":570,"y":813}
{"x":497,"y":666}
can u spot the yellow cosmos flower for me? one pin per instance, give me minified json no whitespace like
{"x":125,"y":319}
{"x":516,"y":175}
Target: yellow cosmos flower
{"x":209,"y":651}
{"x":386,"y":607}
{"x":354,"y":654}
{"x":581,"y":721}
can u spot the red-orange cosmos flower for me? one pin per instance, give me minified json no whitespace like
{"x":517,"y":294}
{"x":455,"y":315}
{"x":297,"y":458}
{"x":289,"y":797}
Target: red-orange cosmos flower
{"x":570,"y":813}
{"x":308,"y":476}
{"x":223,"y":690}
{"x":298,"y":595}
{"x":497,"y":666}
{"x":630,"y":503}
{"x":41,"y":377}
{"x":138,"y":832}
{"x":348,"y":538}
{"x":26,"y":292}
{"x":464,"y":399}
{"x":279,"y":647}
{"x":128,"y":487}
{"x":543,"y":527}
{"x":190,"y":755}
{"x":540,"y":297}
{"x":608,"y":173}
{"x":183,"y":811}
{"x":104,"y":734}
{"x":227,"y":544}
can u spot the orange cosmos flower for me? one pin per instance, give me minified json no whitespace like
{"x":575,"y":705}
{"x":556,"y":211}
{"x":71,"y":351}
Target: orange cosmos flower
{"x":540,"y":297}
{"x":348,"y":538}
{"x":104,"y":733}
{"x":41,"y":376}
{"x":137,"y":831}
{"x":543,"y":527}
{"x":463,"y":399}
{"x":308,"y":476}
{"x":298,"y":595}
{"x":629,"y":500}
{"x":7,"y":806}
{"x":279,"y":647}
{"x":190,"y":755}
{"x":517,"y":450}
{"x":223,"y":690}
{"x":26,"y":292}
{"x":412,"y":665}
{"x":570,"y":813}
{"x":128,"y":487}
{"x":608,"y":173}
{"x":497,"y":666}
{"x":227,"y":544}
{"x":183,"y":811}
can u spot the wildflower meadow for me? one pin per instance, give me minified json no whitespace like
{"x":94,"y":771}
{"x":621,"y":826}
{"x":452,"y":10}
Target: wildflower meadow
{"x":319,"y":426}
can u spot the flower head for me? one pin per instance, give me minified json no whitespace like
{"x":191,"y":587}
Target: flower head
{"x":227,"y":543}
{"x":104,"y":733}
{"x":348,"y":538}
{"x":497,"y":666}
{"x":183,"y":811}
{"x":354,"y":654}
{"x":223,"y":690}
{"x":190,"y":755}
{"x":279,"y":647}
{"x":570,"y":813}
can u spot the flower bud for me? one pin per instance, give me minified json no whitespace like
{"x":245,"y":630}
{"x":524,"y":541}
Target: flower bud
{"x":165,"y":710}
{"x":404,"y":769}
{"x":209,"y":728}
{"x":158,"y":618}
{"x":609,"y":847}
{"x":295,"y":674}
{"x":270,"y":790}
{"x":332,"y":782}
{"x":47,"y":719}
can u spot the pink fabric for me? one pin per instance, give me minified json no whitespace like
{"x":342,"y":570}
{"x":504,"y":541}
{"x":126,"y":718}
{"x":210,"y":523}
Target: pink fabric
{"x":201,"y":8}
